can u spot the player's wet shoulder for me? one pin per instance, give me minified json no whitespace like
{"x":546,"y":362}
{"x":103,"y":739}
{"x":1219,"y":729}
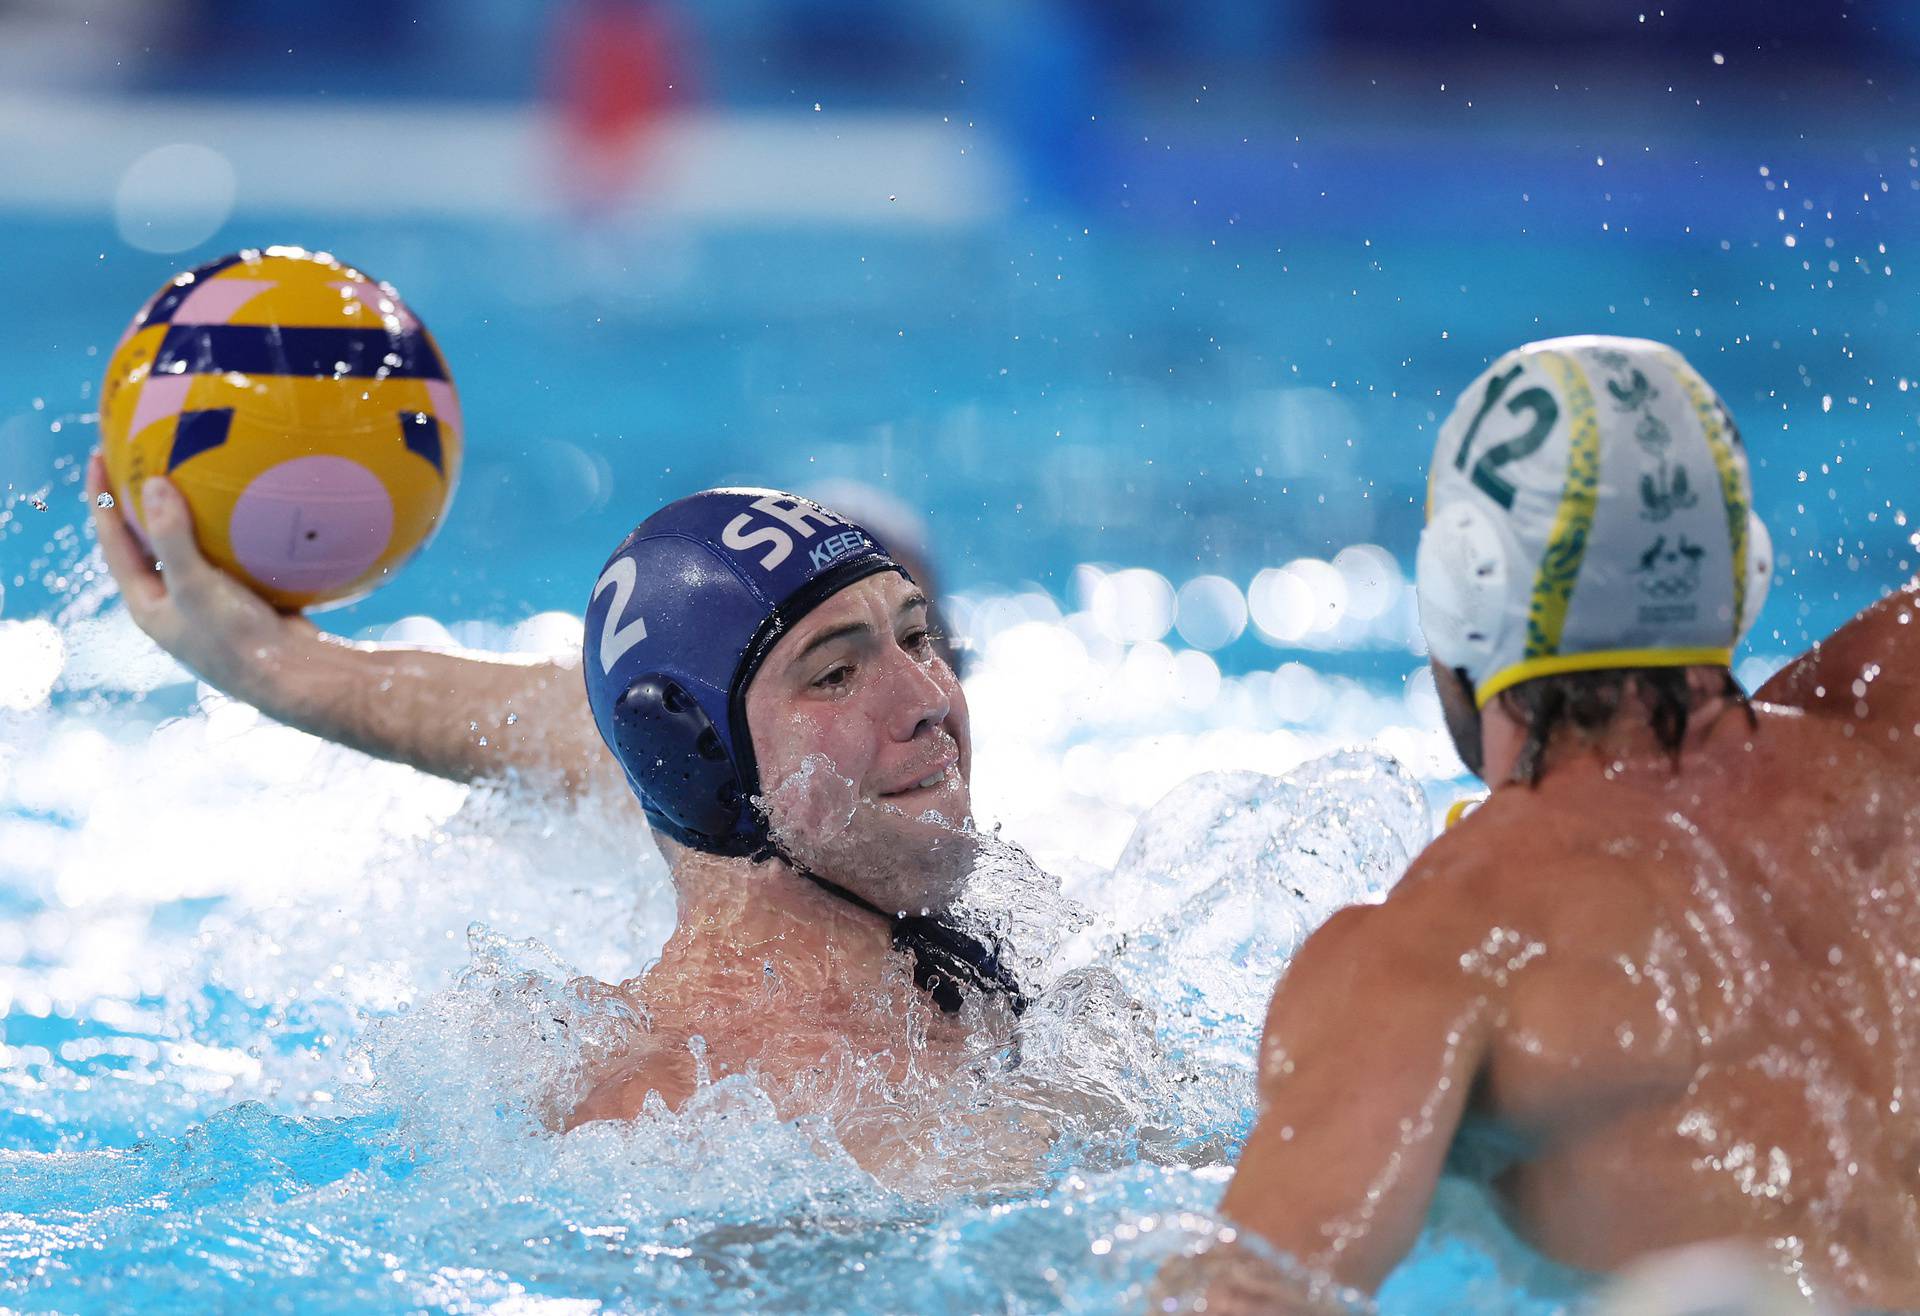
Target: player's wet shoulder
{"x":1537,"y":859}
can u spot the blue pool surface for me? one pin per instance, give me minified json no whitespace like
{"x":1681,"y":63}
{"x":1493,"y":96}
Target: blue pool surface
{"x":1048,"y":394}
{"x":269,"y":1013}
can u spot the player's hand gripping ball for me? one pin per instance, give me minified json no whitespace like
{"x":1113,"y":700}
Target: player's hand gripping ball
{"x":305,"y":414}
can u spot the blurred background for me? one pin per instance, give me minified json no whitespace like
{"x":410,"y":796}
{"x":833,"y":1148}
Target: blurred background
{"x":1139,"y":314}
{"x":1143,"y":311}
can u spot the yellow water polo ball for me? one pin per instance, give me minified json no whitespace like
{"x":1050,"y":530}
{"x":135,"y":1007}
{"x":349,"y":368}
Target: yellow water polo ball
{"x":304,"y":412}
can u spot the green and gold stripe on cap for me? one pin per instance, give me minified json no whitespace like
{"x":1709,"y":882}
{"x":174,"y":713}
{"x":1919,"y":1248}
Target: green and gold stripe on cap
{"x":1712,"y":414}
{"x":1566,"y":547}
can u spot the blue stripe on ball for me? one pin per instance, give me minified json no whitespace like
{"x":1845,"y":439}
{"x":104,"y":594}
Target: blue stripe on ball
{"x":251,"y":349}
{"x":197,"y":432}
{"x":421,"y":433}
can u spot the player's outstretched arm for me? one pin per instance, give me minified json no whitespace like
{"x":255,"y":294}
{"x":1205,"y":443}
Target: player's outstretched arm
{"x":468,"y":718}
{"x":1868,"y":669}
{"x":1372,"y":1047}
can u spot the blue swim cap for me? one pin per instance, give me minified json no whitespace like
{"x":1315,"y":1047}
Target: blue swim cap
{"x":680,"y":620}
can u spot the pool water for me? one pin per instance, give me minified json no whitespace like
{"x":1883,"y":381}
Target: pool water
{"x":1045,"y":393}
{"x":303,"y":1066}
{"x":273,"y":1014}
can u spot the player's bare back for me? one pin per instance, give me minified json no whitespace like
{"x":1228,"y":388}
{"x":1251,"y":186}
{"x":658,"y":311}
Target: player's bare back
{"x":1761,"y":1058}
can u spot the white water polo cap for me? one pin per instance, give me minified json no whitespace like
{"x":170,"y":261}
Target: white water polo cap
{"x":1589,"y":507}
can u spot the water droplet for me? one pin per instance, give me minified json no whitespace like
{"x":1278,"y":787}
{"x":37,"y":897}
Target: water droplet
{"x":103,"y":500}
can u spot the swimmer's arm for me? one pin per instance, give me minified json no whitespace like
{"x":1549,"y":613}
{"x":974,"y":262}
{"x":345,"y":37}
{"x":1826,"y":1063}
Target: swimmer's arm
{"x":468,"y":718}
{"x":1373,"y":1044}
{"x":1873,"y":660}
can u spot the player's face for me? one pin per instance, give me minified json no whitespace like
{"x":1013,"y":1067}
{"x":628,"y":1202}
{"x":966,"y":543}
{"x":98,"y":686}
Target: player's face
{"x":861,"y":734}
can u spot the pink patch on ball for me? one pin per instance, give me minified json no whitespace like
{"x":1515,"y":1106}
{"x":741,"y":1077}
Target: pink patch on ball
{"x":311,"y":524}
{"x":161,"y":398}
{"x":215,"y":300}
{"x":446,"y":405}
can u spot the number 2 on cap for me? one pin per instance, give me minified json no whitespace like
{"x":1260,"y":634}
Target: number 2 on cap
{"x":616,"y":639}
{"x":1545,"y":412}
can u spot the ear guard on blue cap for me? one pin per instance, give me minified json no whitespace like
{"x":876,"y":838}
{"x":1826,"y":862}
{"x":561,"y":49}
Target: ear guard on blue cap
{"x":697,"y":797}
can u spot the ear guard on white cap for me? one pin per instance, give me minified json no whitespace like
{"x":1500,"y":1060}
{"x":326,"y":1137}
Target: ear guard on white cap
{"x":1461,"y":583}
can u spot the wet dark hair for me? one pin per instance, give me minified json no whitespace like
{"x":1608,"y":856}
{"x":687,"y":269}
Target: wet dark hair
{"x":1589,"y":702}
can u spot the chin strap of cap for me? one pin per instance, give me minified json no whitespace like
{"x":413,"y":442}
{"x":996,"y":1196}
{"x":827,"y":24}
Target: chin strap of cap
{"x":947,"y":960}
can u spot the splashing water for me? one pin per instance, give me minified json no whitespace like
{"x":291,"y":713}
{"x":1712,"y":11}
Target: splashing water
{"x":287,"y":1027}
{"x":414,"y":1166}
{"x":1238,"y":868}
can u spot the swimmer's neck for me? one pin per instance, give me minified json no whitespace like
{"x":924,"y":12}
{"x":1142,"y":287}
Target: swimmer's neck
{"x":1629,"y":749}
{"x":734,"y":911}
